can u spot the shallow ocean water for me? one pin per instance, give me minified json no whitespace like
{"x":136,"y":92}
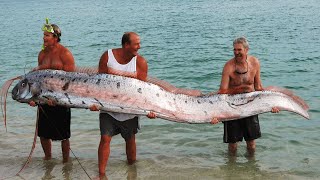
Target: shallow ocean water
{"x":186,"y":43}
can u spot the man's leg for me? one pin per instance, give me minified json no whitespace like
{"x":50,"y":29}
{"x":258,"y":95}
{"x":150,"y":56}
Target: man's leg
{"x":232,"y":134}
{"x":251,"y":147}
{"x":65,"y":146}
{"x":232,"y":149}
{"x":131,"y":149}
{"x":103,"y":153}
{"x":46,"y":146}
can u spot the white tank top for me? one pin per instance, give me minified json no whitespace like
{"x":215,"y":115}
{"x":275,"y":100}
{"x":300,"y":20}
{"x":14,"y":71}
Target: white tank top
{"x":129,"y":67}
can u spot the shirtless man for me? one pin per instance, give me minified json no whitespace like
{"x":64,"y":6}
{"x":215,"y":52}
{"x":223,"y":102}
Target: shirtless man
{"x":123,"y":61}
{"x":241,"y":74}
{"x":54,"y":121}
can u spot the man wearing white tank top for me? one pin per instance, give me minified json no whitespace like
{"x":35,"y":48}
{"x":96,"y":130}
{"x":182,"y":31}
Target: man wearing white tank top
{"x":123,"y":61}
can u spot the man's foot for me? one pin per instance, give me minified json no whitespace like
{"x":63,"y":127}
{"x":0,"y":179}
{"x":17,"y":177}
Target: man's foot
{"x":65,"y":160}
{"x":47,"y":158}
{"x":130,"y":162}
{"x":102,"y":175}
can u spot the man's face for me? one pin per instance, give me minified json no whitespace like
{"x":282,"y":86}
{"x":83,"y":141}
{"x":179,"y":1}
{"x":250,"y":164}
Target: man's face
{"x":134,"y":46}
{"x":239,"y":51}
{"x":48,"y":39}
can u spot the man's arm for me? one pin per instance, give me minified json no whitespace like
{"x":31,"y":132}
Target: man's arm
{"x":142,"y":74}
{"x":68,"y":61}
{"x":103,"y":67}
{"x":258,"y":83}
{"x":224,"y":85}
{"x":40,"y":58}
{"x":257,"y":78}
{"x":142,"y":68}
{"x":225,"y":79}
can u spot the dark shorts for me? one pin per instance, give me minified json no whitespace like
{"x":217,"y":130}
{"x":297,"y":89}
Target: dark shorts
{"x":54,"y":122}
{"x":247,"y":128}
{"x":111,"y":127}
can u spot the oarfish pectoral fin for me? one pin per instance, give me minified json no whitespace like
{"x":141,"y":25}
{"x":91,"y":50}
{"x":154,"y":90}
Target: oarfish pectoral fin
{"x":3,"y":98}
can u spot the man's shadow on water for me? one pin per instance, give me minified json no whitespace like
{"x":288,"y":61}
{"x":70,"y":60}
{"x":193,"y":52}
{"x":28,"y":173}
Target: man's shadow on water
{"x":48,"y":166}
{"x":244,"y":165}
{"x":131,"y":173}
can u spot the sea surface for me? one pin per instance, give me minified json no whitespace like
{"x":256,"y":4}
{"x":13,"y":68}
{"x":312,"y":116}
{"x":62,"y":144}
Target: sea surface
{"x":186,"y":43}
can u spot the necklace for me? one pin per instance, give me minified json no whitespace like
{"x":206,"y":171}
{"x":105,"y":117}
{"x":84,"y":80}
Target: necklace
{"x":239,"y":72}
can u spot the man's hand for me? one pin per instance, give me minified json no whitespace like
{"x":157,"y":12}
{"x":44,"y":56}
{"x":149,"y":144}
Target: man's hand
{"x":35,"y":69}
{"x":151,"y":115}
{"x":32,"y":103}
{"x":214,"y":121}
{"x":51,"y":103}
{"x":94,"y":107}
{"x":275,"y":110}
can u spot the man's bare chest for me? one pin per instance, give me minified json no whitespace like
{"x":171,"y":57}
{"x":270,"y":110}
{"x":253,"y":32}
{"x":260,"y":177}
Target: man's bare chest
{"x":54,"y":62}
{"x":241,"y":79}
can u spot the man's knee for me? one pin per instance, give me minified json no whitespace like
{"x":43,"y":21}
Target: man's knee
{"x":232,"y":147}
{"x":251,"y":145}
{"x":130,"y":139}
{"x":105,"y":139}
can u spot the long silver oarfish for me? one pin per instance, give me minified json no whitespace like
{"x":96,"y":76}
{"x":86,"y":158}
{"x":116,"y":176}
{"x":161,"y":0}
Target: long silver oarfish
{"x":127,"y":95}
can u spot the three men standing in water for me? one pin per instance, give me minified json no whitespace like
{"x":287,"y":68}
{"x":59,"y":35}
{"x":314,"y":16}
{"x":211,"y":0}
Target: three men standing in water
{"x":241,"y":74}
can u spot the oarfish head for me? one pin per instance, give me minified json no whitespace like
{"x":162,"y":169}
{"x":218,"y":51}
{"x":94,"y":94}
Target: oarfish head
{"x":25,"y":90}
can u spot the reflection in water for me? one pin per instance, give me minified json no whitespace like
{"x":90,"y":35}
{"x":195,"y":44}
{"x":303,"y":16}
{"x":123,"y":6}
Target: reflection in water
{"x":132,"y":172}
{"x":49,"y":165}
{"x":101,"y":177}
{"x":67,"y":169}
{"x":241,"y":167}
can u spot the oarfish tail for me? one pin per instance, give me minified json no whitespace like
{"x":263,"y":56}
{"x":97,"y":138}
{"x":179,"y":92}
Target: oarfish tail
{"x":297,"y":99}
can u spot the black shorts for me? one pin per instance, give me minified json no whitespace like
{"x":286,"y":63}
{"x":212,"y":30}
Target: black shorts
{"x":247,"y":128}
{"x":54,"y":122}
{"x":111,"y":127}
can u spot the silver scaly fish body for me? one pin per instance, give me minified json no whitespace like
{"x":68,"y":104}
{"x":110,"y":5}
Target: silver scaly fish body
{"x":128,"y":95}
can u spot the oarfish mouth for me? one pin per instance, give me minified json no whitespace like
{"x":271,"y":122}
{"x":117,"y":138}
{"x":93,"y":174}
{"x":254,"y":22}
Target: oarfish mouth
{"x":15,"y":92}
